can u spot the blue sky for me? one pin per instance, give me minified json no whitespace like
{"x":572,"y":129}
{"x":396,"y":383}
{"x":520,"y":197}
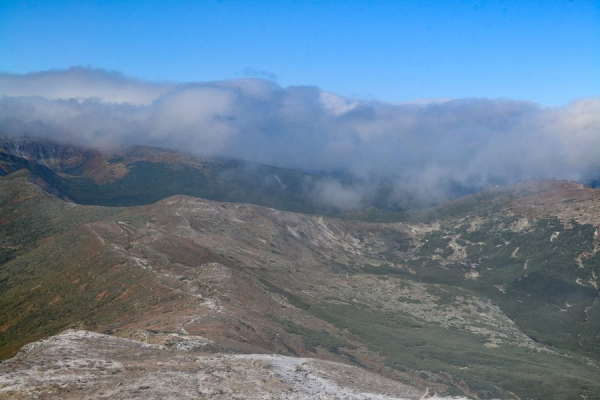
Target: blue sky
{"x":544,"y":51}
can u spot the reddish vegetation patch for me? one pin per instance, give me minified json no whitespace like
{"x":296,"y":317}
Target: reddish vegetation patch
{"x":46,"y":240}
{"x":174,"y":159}
{"x":537,"y":197}
{"x":55,"y":300}
{"x":529,"y":199}
{"x":101,"y":295}
{"x":127,"y":292}
{"x":101,"y":171}
{"x":116,"y":270}
{"x":554,"y":192}
{"x":6,"y":326}
{"x":185,"y":252}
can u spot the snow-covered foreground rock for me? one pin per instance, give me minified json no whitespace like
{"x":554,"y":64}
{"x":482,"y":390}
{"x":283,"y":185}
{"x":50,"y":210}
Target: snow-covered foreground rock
{"x":81,"y":364}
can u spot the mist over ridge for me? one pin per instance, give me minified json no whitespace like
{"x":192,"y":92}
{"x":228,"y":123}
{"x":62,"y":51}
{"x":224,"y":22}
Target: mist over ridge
{"x":424,"y":149}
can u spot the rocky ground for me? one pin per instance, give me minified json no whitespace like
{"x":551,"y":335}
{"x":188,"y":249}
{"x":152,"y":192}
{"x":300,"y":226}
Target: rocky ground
{"x":86,"y":365}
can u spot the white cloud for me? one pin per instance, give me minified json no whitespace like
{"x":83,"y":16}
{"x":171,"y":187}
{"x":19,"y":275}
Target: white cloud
{"x":426,"y":147}
{"x":83,"y":83}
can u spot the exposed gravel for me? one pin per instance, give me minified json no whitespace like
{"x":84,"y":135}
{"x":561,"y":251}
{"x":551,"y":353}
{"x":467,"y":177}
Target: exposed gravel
{"x":86,"y":365}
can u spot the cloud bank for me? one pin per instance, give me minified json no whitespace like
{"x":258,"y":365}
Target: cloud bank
{"x":425,"y":149}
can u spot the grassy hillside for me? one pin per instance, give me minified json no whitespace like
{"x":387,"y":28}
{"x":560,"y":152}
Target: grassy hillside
{"x":494,"y":298}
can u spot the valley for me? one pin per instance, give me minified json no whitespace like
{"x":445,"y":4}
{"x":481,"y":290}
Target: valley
{"x":491,"y":296}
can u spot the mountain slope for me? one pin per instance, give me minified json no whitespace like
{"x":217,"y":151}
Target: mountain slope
{"x":80,"y":364}
{"x":144,"y":175}
{"x":494,"y":297}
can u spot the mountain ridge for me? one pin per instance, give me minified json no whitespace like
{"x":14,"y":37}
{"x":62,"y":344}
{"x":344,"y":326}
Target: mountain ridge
{"x":137,"y":175}
{"x":140,"y":175}
{"x":417,"y":302}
